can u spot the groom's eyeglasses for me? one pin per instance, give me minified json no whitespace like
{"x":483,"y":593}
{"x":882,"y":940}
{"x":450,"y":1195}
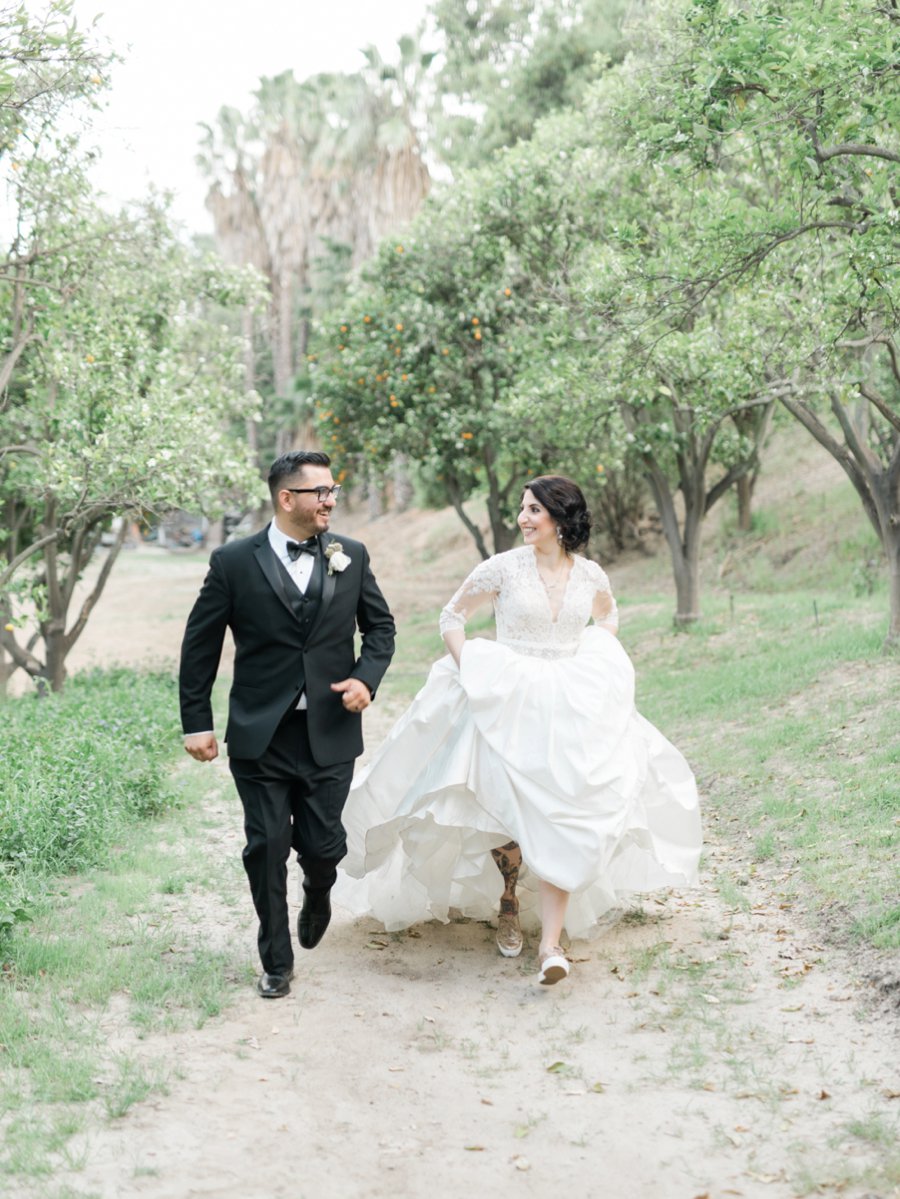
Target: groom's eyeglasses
{"x":321,"y":493}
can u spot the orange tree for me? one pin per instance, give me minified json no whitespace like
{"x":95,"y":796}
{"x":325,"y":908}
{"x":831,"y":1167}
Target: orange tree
{"x":447,"y":350}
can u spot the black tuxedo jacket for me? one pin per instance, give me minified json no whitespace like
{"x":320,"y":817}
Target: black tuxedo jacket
{"x":245,"y":590}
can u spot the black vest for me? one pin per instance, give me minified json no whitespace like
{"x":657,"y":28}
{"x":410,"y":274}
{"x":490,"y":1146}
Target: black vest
{"x":305,"y":605}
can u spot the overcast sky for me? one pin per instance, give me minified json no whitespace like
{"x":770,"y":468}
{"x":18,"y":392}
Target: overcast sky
{"x":185,"y":59}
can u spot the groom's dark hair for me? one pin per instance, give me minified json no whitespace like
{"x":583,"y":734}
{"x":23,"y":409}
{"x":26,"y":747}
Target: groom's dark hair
{"x":290,"y":464}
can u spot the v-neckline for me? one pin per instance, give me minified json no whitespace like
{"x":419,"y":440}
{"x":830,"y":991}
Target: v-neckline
{"x":543,"y":586}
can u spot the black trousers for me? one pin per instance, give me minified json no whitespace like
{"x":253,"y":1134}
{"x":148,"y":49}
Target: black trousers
{"x":289,"y":803}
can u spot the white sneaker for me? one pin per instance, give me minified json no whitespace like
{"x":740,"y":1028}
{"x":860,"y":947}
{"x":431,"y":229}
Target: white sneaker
{"x":554,"y":966}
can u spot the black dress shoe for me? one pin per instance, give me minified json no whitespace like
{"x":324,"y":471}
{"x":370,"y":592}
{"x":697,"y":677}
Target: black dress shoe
{"x":274,"y":986}
{"x":315,"y":916}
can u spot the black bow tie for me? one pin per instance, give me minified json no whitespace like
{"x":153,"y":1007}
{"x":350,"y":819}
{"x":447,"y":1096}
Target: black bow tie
{"x":296,"y":548}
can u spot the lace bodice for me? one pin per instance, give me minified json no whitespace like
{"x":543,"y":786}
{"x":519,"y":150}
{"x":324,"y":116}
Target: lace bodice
{"x":527,"y":620}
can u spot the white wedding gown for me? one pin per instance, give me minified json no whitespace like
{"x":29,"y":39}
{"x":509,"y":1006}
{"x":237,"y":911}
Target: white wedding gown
{"x":534,"y":738}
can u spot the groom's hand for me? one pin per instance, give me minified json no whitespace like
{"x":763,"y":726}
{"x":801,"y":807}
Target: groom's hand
{"x":356,"y":695}
{"x":203,"y":747}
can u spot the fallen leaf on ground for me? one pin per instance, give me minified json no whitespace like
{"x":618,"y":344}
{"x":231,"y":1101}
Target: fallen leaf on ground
{"x":824,"y":1095}
{"x":376,"y":945}
{"x":710,"y":998}
{"x":556,"y":1068}
{"x":474,"y":1148}
{"x":521,"y":1163}
{"x":396,"y":1069}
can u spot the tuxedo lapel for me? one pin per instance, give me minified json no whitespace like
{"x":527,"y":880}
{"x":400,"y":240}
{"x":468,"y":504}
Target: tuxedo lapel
{"x":269,"y":566}
{"x":328,"y":583}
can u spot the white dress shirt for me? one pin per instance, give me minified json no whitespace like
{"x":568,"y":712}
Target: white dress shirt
{"x":300,"y":569}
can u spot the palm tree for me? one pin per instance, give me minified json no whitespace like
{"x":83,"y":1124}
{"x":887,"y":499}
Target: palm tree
{"x":332,"y":162}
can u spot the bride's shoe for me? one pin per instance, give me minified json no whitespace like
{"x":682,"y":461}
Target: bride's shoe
{"x":509,"y":934}
{"x":554,"y":966}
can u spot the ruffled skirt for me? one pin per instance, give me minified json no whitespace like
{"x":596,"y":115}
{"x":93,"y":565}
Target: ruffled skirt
{"x":550,"y":753}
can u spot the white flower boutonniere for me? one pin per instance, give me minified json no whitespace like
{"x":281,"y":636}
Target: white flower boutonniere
{"x":336,"y":558}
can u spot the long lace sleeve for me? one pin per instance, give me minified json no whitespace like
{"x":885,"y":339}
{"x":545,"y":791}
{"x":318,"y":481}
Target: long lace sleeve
{"x":481,"y":586}
{"x":603,"y":609}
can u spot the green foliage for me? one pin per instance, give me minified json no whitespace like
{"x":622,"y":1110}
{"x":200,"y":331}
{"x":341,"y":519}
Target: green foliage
{"x":76,"y":769}
{"x":773,"y":129}
{"x":510,"y":63}
{"x":122,"y":395}
{"x":451,"y":350}
{"x":47,"y":63}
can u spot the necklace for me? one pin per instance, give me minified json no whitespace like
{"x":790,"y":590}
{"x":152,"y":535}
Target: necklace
{"x":558,"y":577}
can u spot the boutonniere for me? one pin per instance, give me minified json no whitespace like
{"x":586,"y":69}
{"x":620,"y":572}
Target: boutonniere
{"x":336,"y":558}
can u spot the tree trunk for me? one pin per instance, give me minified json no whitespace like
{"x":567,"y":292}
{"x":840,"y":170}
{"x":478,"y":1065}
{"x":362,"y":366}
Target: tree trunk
{"x":877,"y":484}
{"x":283,"y":356}
{"x":54,"y":671}
{"x":374,"y":496}
{"x":687,"y":588}
{"x":7,"y":669}
{"x":744,"y":488}
{"x":892,"y":641}
{"x":248,"y":330}
{"x":403,"y":484}
{"x":683,"y":548}
{"x":503,"y":535}
{"x":454,"y":495}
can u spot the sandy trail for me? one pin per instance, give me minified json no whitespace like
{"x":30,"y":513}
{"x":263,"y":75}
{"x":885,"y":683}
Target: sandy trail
{"x":697,"y":1050}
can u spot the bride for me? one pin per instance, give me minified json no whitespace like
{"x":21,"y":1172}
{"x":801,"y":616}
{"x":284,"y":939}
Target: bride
{"x":527,"y":750}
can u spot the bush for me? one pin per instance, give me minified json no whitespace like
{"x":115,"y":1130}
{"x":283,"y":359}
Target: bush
{"x":76,"y":768}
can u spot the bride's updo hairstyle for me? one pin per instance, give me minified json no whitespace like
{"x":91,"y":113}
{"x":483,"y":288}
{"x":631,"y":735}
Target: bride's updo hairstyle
{"x":565,"y":502}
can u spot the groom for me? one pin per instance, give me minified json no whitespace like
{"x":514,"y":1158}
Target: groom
{"x":293,"y":598}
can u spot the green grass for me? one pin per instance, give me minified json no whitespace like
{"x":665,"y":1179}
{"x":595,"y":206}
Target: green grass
{"x":790,"y":723}
{"x":770,"y":698}
{"x":104,"y":943}
{"x":76,"y":770}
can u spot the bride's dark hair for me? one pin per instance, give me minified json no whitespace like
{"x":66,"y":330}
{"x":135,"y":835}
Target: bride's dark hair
{"x":565,"y":502}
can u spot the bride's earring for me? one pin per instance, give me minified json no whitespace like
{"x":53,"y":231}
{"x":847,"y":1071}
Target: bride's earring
{"x":559,"y":534}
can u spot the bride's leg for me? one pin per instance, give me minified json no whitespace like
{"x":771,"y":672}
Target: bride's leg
{"x":553,"y":915}
{"x":509,"y":935}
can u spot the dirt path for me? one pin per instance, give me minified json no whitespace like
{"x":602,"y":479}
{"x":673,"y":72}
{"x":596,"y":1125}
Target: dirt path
{"x":697,"y":1050}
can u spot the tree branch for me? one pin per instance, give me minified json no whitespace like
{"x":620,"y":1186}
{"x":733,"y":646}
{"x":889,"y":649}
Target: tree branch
{"x":860,"y":451}
{"x":841,"y":455}
{"x":454,"y":495}
{"x":823,"y":153}
{"x":881,"y":404}
{"x":727,"y":481}
{"x":88,"y":606}
{"x":24,"y":555}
